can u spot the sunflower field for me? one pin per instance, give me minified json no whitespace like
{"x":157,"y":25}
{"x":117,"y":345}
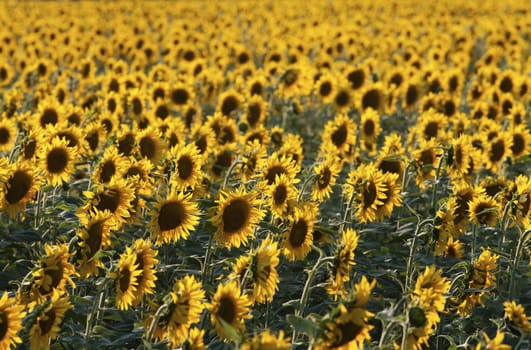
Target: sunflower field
{"x":265,"y":174}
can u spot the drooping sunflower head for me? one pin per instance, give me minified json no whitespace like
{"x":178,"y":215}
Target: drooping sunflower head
{"x":11,"y":315}
{"x":326,"y":172}
{"x":343,"y":262}
{"x":125,"y":279}
{"x":19,"y":188}
{"x":484,"y":210}
{"x":48,"y":321}
{"x":430,"y":289}
{"x":174,"y":218}
{"x":236,"y":215}
{"x":298,"y":237}
{"x":230,"y":306}
{"x":94,"y":235}
{"x":265,"y":275}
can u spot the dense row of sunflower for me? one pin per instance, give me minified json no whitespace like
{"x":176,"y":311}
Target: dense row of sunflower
{"x":265,"y":174}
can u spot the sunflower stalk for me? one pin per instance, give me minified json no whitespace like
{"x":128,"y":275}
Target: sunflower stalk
{"x":155,"y":320}
{"x":308,"y":180}
{"x":347,"y":210}
{"x":504,"y":222}
{"x":437,"y":179}
{"x":230,"y":170}
{"x":516,"y":261}
{"x":413,"y":247}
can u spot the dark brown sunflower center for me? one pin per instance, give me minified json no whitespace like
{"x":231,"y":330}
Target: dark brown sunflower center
{"x":272,"y":173}
{"x":148,"y":147}
{"x":95,"y":235}
{"x":201,"y":144}
{"x":253,"y":115}
{"x":108,"y":200}
{"x":325,"y":89}
{"x":256,"y":89}
{"x":55,"y":273}
{"x":179,"y":96}
{"x":427,"y":157}
{"x":449,"y":108}
{"x":126,"y":144}
{"x":57,"y":160}
{"x":518,"y":146}
{"x":371,"y":99}
{"x":390,"y":166}
{"x":3,"y":76}
{"x":137,"y":106}
{"x":342,"y":98}
{"x":412,"y":95}
{"x":46,"y":324}
{"x":111,"y":105}
{"x":497,"y":151}
{"x":483,"y":214}
{"x":356,"y":78}
{"x":324,"y":178}
{"x":431,"y":130}
{"x":369,"y":128}
{"x":227,"y":309}
{"x":29,"y":149}
{"x":506,"y":84}
{"x":229,"y":104}
{"x":162,"y":112}
{"x":223,"y":161}
{"x":49,"y":116}
{"x":462,"y":204}
{"x":298,"y":233}
{"x":235,"y":216}
{"x":125,"y":279}
{"x":107,"y":171}
{"x":4,"y":324}
{"x":4,"y":136}
{"x":349,"y":331}
{"x":171,"y":216}
{"x":226,"y":135}
{"x":93,"y":139}
{"x":19,"y":185}
{"x":185,"y":167}
{"x":369,"y":194}
{"x":339,"y":136}
{"x":280,"y":194}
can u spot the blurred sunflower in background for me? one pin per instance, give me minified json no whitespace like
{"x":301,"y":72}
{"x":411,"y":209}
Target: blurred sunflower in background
{"x":11,"y":315}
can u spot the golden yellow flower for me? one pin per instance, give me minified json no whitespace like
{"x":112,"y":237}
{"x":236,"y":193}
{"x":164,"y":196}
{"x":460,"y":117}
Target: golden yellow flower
{"x":268,"y":341}
{"x":298,"y":238}
{"x":19,"y":188}
{"x":11,"y":315}
{"x":57,"y":161}
{"x":229,"y":307}
{"x":125,"y":279}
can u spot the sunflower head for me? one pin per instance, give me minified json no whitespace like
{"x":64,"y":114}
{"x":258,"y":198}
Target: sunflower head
{"x":229,"y":307}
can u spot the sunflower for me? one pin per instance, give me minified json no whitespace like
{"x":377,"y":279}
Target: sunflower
{"x":259,"y":134}
{"x":93,"y":235}
{"x":185,"y":307}
{"x":93,"y":137}
{"x":50,"y":112}
{"x":150,"y":145}
{"x":29,"y":145}
{"x":497,"y":150}
{"x":298,"y":238}
{"x":357,"y":77}
{"x":254,"y":158}
{"x":194,"y":341}
{"x":338,"y":135}
{"x":372,"y":96}
{"x":111,"y":164}
{"x":325,"y":88}
{"x":281,"y":193}
{"x":126,"y":141}
{"x":116,"y":196}
{"x":229,"y":307}
{"x":8,"y":133}
{"x":484,"y":210}
{"x":256,"y":110}
{"x":343,"y":261}
{"x":275,"y":166}
{"x":426,"y":157}
{"x":126,"y":278}
{"x":225,"y":129}
{"x":459,"y":203}
{"x":204,"y":138}
{"x":267,"y":341}
{"x":112,"y":104}
{"x":229,"y":102}
{"x":181,"y":94}
{"x":11,"y":315}
{"x":19,"y":188}
{"x":146,"y":259}
{"x":521,"y":141}
{"x":342,"y":99}
{"x":57,"y":161}
{"x":454,"y":248}
{"x":515,"y":313}
{"x":483,"y":276}
{"x":348,"y":328}
{"x":187,"y":163}
{"x":366,"y":186}
{"x":393,"y":198}
{"x":174,"y":218}
{"x":292,"y":149}
{"x":326,"y":173}
{"x":495,"y":343}
{"x":48,"y":320}
{"x":237,"y":214}
{"x":430,"y":290}
{"x":458,"y":160}
{"x":54,"y":273}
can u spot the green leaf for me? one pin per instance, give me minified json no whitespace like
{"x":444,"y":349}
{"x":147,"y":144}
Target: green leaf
{"x":231,"y":331}
{"x":303,"y":325}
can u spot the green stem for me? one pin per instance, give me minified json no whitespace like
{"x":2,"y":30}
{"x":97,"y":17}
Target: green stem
{"x":347,"y":210}
{"x":436,"y":181}
{"x":409,"y":266}
{"x":229,"y":172}
{"x":503,"y":223}
{"x":516,"y":261}
{"x":155,"y":321}
{"x":307,"y":286}
{"x":208,"y":253}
